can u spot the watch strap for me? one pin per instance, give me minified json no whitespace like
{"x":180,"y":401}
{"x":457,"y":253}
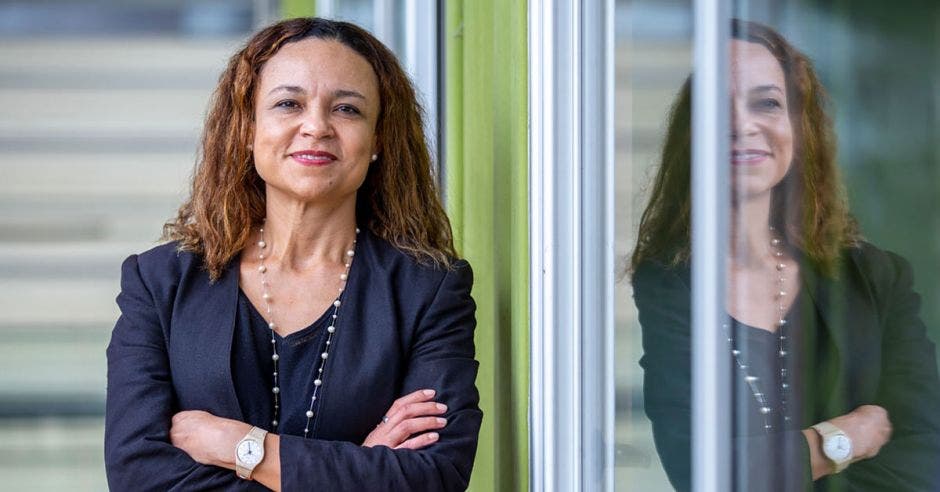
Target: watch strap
{"x":243,"y":470}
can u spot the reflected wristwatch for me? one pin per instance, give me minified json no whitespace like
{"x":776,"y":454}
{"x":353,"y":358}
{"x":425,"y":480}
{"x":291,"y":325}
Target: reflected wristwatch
{"x":836,"y":445}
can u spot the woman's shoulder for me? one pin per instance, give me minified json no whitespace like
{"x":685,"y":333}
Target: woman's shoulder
{"x":385,"y":259}
{"x":162,"y":267}
{"x":880,"y":268}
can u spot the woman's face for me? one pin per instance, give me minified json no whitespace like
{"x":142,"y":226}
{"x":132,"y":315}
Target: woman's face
{"x":761,"y":133}
{"x":316,"y":110}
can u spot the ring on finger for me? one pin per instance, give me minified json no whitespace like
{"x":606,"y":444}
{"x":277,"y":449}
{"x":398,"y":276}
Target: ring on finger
{"x":385,"y":419}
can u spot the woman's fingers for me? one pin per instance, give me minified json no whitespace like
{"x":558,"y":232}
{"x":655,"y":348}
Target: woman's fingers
{"x":420,"y":441}
{"x":414,"y":397}
{"x":408,"y":416}
{"x":413,"y":410}
{"x":407,"y":428}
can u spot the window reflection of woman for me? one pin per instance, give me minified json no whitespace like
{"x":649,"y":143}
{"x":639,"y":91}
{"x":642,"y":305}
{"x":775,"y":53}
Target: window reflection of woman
{"x":832,"y":368}
{"x":309,"y":327}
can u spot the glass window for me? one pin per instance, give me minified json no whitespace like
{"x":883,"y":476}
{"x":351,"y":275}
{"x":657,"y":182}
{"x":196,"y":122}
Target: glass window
{"x":653,"y":57}
{"x":829,"y":258}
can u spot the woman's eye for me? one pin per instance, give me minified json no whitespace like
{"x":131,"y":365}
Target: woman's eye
{"x":347,"y":109}
{"x":287,"y":104}
{"x":769,"y":104}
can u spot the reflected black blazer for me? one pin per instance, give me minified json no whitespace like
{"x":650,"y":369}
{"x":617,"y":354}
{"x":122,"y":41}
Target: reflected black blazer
{"x":875,"y":351}
{"x":406,"y":327}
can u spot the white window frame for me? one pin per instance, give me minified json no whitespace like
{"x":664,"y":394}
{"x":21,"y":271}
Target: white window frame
{"x":571,"y":209}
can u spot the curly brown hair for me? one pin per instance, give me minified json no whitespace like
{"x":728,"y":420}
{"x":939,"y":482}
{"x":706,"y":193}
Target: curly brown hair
{"x":821,"y":226}
{"x":398,"y":201}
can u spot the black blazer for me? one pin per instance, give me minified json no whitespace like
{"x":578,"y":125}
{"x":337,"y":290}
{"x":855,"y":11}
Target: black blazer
{"x":406,"y":327}
{"x":874,"y":350}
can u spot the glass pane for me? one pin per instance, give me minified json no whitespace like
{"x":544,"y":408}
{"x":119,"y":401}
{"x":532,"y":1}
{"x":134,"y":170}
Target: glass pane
{"x":97,"y":138}
{"x":834,"y":242}
{"x":652,"y":61}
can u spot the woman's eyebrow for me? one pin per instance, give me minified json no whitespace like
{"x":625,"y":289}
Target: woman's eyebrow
{"x":296,"y":89}
{"x":347,"y":93}
{"x":767,"y":88}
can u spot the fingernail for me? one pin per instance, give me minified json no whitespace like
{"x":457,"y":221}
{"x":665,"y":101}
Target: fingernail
{"x":442,"y":407}
{"x":432,"y":436}
{"x":429,"y":392}
{"x":441,"y":421}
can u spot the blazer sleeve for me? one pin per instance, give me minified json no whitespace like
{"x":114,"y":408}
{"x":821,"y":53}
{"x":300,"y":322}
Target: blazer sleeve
{"x":909,"y":388}
{"x":140,"y":403}
{"x":663,"y":300}
{"x":442,"y":358}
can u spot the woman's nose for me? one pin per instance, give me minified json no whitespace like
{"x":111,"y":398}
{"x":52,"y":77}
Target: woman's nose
{"x":316,"y":124}
{"x":742,"y":121}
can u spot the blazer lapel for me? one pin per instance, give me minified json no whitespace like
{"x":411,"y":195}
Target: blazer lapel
{"x":844,"y":369}
{"x":204,"y":323}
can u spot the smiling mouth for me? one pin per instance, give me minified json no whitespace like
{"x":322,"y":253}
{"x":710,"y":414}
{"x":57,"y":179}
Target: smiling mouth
{"x":749,"y":156}
{"x":313,"y":158}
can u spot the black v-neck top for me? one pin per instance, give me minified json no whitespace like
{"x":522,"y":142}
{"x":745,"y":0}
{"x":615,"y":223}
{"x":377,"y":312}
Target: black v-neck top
{"x":253,"y":369}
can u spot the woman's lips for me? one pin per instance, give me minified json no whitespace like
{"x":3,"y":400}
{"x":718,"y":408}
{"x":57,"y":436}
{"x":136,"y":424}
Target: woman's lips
{"x":313,"y":157}
{"x":749,"y":156}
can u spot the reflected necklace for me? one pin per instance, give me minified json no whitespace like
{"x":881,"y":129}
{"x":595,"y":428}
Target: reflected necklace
{"x":782,"y":352}
{"x":330,"y":330}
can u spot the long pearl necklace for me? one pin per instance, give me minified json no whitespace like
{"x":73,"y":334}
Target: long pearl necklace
{"x":330,"y":330}
{"x":782,"y":352}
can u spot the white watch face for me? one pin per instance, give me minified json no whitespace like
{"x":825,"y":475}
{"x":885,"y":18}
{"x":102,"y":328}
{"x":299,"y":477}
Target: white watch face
{"x":249,"y":452}
{"x":838,"y":448}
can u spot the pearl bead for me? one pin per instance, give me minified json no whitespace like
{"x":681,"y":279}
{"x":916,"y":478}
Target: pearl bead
{"x":782,"y":322}
{"x":275,"y":357}
{"x":336,"y":303}
{"x":317,"y":382}
{"x":306,"y":431}
{"x":782,"y":293}
{"x":751,"y":379}
{"x":324,"y":355}
{"x":262,"y":244}
{"x":309,"y":414}
{"x":276,"y":390}
{"x":271,"y":325}
{"x":765,"y":410}
{"x":327,"y":342}
{"x":343,"y":276}
{"x":262,"y":269}
{"x":274,"y":423}
{"x":266,"y":296}
{"x":331,"y":329}
{"x":783,"y":353}
{"x":736,"y":352}
{"x":781,"y":266}
{"x":273,"y":341}
{"x":775,"y":242}
{"x":350,"y":253}
{"x":275,"y":373}
{"x":357,"y":230}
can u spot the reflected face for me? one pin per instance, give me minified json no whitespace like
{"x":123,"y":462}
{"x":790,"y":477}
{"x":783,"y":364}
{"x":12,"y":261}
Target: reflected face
{"x":761,"y":133}
{"x":316,"y":110}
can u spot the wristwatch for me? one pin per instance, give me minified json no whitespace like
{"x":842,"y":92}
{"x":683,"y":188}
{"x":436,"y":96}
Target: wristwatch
{"x":249,"y":452}
{"x":836,"y":445}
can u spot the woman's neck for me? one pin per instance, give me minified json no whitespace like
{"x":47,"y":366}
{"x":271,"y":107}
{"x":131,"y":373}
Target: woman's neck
{"x":749,"y":245}
{"x":300,"y":235}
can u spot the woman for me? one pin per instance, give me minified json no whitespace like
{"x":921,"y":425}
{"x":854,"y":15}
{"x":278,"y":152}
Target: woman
{"x":832,"y":369}
{"x":308,"y":327}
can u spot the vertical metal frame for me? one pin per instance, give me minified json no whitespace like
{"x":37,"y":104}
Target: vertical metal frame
{"x":571,"y":256}
{"x":711,"y":366}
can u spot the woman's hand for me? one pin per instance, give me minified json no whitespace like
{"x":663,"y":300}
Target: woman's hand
{"x":869,"y":428}
{"x":410,"y":415}
{"x":207,"y":439}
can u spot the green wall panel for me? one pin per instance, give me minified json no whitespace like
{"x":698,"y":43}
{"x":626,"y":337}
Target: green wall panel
{"x":486,"y":164}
